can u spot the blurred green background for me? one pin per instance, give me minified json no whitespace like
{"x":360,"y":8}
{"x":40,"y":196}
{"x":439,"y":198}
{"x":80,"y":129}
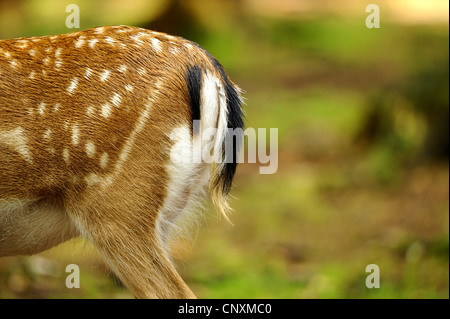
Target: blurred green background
{"x":363,"y":173}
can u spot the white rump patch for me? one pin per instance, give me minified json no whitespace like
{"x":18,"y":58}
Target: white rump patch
{"x":187,"y":181}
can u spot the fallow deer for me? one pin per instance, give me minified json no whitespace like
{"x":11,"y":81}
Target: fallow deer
{"x":88,"y":124}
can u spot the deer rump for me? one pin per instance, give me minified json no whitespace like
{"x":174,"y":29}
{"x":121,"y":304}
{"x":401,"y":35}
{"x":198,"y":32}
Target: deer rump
{"x":98,"y":135}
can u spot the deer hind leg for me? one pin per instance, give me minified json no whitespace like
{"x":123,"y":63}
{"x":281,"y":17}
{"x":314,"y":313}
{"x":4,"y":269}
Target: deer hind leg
{"x":30,"y":226}
{"x":120,"y":222}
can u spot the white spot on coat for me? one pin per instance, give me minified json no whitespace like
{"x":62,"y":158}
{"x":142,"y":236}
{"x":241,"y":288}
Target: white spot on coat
{"x":58,"y":52}
{"x":105,"y":75}
{"x":14,"y":63}
{"x":22,"y":44}
{"x":80,"y":42}
{"x":16,"y":140}
{"x":106,"y":110}
{"x":116,"y":99}
{"x":92,"y":179}
{"x":90,"y":110}
{"x":87,"y":73}
{"x":75,"y":135}
{"x":110,"y":40}
{"x":47,"y":134}
{"x":66,"y":156}
{"x":90,"y":149}
{"x":58,"y":63}
{"x":99,"y":30}
{"x":104,"y":160}
{"x":41,"y":108}
{"x":92,"y":43}
{"x":141,"y":71}
{"x":156,"y":44}
{"x":73,"y":85}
